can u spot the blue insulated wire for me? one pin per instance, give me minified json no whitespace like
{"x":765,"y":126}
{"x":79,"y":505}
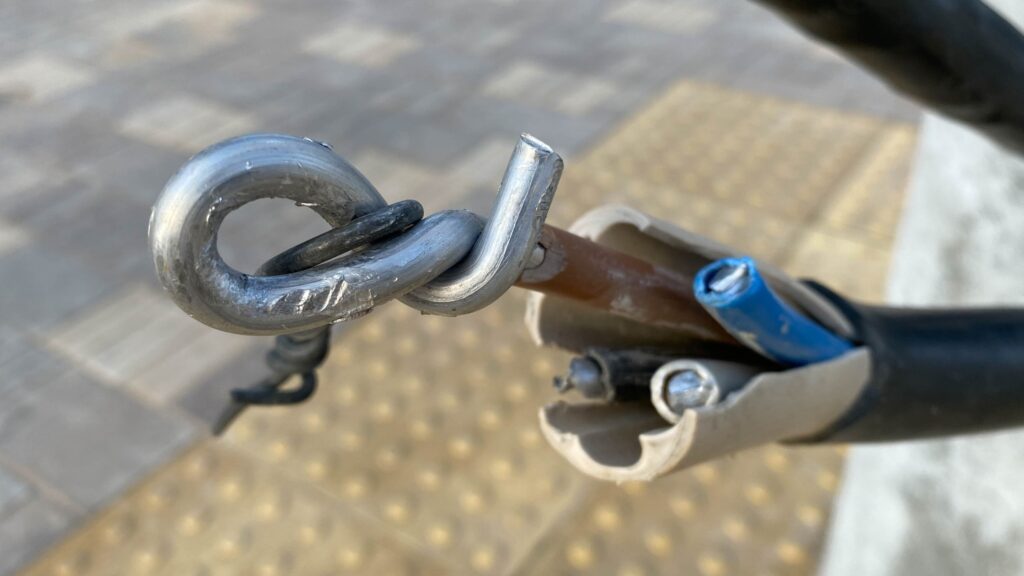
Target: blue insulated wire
{"x":736,"y":295}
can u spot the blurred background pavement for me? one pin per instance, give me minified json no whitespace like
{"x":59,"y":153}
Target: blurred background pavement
{"x":711,"y":114}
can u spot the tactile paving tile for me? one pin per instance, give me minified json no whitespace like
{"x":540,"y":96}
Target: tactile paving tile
{"x":430,"y":425}
{"x":761,"y":512}
{"x":869,"y":203}
{"x":847,"y":264}
{"x":421,"y":452}
{"x":744,"y":169}
{"x":215,"y":512}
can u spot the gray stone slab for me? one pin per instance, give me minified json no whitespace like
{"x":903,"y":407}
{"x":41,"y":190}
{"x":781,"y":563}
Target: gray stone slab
{"x":27,"y":368}
{"x":40,"y":286}
{"x":97,"y":227}
{"x":88,"y":441}
{"x":208,"y":398}
{"x":566,"y":133}
{"x":14,"y":492}
{"x":29,"y":531}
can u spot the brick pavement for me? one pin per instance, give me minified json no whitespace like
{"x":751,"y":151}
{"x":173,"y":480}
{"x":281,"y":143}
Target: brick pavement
{"x":101,"y":378}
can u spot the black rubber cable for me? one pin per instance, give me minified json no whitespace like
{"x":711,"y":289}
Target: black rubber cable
{"x":959,"y":57}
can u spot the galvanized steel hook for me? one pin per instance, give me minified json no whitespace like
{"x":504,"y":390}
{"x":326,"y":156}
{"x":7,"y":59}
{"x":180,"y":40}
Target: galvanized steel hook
{"x":185,"y":220}
{"x":507,"y":242}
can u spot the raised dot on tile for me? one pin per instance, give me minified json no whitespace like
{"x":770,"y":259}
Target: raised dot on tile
{"x":189,"y":525}
{"x":658,"y":543}
{"x":735,"y":529}
{"x":516,"y":392}
{"x":710,"y":565}
{"x":757,"y":494}
{"x":279,"y":450}
{"x":439,"y":535}
{"x":313,"y":422}
{"x":705,"y":474}
{"x":346,"y":395}
{"x":460,"y":447}
{"x":388,"y":458}
{"x":791,"y":553}
{"x":682,"y":507}
{"x":383,"y":411}
{"x":316,"y":469}
{"x":407,"y":345}
{"x":350,"y":441}
{"x":145,"y":561}
{"x":580,"y":554}
{"x":483,"y":559}
{"x":828,"y":480}
{"x":397,"y":510}
{"x":634,"y":489}
{"x":489,"y":419}
{"x":471,"y":502}
{"x":810,"y":516}
{"x":228,"y":547}
{"x":421,"y":429}
{"x":428,"y":479}
{"x":351,"y":554}
{"x":355,"y":487}
{"x":607,"y":517}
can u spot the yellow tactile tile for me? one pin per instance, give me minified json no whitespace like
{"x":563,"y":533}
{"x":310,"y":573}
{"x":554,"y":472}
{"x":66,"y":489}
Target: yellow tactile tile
{"x":429,"y":425}
{"x":215,"y":512}
{"x":847,"y":264}
{"x":869,"y":203}
{"x":744,"y":169}
{"x":421,"y":453}
{"x":761,"y":512}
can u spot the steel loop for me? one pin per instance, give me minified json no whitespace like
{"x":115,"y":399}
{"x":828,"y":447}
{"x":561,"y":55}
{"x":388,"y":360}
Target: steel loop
{"x":185,"y":220}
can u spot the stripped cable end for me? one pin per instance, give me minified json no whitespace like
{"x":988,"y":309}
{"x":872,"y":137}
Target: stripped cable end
{"x":736,"y":295}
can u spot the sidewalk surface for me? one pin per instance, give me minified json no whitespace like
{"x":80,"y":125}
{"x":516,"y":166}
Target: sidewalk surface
{"x":710,"y":114}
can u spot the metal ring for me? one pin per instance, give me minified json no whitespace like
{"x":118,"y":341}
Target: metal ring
{"x":185,"y":220}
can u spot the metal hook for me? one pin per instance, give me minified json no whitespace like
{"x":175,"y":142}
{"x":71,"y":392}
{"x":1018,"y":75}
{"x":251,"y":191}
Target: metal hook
{"x":508,"y":241}
{"x":186,"y":218}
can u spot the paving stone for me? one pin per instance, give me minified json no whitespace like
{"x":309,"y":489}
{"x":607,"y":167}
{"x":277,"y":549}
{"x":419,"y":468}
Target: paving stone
{"x":361,"y":44}
{"x":88,"y":441}
{"x":244,"y":241}
{"x":568,"y":134}
{"x":27,"y":368}
{"x":11,"y":236}
{"x":39,"y":77}
{"x":103,"y":227}
{"x":676,"y":17}
{"x":206,"y":399}
{"x":398,"y":178}
{"x":21,"y":175}
{"x":487,"y":162}
{"x":140,"y":340}
{"x":13,"y":492}
{"x":436,"y":141}
{"x":40,"y":286}
{"x":533,"y":83}
{"x":186,"y":122}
